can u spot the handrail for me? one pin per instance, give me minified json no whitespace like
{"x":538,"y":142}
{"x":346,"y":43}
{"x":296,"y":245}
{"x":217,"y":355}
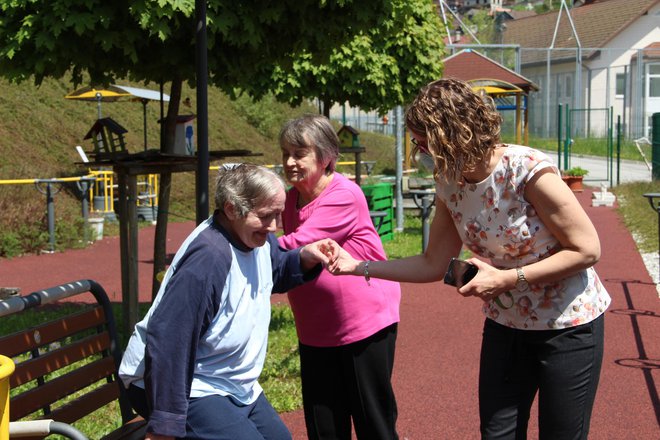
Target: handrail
{"x":51,"y":180}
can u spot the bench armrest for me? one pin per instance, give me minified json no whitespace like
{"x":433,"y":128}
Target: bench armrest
{"x":44,"y":427}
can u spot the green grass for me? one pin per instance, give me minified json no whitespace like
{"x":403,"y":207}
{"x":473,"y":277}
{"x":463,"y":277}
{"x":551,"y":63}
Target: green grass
{"x":637,"y":214}
{"x":280,"y":377}
{"x":590,"y":147}
{"x":407,"y":243}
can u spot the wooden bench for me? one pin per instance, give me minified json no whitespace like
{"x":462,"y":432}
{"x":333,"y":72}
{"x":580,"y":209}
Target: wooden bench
{"x":66,"y":368}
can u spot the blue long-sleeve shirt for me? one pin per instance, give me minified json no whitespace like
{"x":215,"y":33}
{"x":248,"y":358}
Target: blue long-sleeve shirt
{"x":207,"y":330}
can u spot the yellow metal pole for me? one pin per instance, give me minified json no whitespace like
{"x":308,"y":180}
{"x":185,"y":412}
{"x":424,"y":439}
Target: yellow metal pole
{"x":6,"y":369}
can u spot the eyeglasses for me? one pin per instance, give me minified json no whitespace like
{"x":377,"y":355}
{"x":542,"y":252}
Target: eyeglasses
{"x":423,"y":147}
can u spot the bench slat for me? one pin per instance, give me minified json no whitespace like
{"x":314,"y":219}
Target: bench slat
{"x":60,"y":387}
{"x":87,"y":403}
{"x":58,"y":359}
{"x":22,"y":342}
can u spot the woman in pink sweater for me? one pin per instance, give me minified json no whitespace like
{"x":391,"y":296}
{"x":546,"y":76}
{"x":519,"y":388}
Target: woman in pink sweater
{"x":346,"y":326}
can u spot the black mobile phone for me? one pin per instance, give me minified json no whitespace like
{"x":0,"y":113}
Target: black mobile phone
{"x":460,"y":272}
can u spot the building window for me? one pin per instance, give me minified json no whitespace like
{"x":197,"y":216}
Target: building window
{"x":654,"y":80}
{"x":620,"y":84}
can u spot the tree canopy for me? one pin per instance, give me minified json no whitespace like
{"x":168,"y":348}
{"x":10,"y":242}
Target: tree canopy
{"x":155,"y":40}
{"x":379,"y":68}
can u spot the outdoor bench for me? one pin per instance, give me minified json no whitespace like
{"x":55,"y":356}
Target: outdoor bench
{"x":66,"y":368}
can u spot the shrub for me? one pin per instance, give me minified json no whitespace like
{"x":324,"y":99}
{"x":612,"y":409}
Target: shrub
{"x":575,"y":172}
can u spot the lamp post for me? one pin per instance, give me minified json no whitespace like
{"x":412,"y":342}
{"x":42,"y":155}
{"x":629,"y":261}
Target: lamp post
{"x":201,"y":69}
{"x":654,"y":201}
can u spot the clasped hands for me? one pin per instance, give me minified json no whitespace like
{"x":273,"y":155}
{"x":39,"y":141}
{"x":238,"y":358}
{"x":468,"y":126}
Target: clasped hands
{"x":489,"y":283}
{"x":329,"y":253}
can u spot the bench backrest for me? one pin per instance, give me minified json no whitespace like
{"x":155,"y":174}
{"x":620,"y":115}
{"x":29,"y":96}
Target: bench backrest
{"x":65,"y":368}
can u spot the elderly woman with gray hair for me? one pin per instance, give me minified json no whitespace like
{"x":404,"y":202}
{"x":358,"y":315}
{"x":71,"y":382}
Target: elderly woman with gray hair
{"x":347,"y":326}
{"x":192,"y":364}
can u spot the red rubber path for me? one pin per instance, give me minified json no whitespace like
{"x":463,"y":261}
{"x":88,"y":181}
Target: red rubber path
{"x":435,"y":375}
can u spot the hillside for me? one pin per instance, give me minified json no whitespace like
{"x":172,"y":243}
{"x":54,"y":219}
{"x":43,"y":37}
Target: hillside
{"x":39,"y":130}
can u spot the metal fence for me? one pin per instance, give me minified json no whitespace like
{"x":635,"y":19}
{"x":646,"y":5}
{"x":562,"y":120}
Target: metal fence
{"x":624,"y":82}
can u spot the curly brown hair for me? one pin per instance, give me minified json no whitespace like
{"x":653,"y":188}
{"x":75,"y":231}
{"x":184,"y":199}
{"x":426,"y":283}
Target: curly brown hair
{"x":461,"y":127}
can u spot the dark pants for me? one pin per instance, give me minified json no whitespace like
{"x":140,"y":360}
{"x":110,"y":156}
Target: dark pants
{"x":562,"y":365}
{"x":350,"y":381}
{"x":220,"y":418}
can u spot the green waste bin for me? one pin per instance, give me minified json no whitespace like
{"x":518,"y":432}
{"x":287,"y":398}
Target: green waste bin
{"x":380,"y":198}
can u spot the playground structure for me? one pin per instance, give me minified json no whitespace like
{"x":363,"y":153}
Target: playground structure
{"x":107,"y":138}
{"x":102,"y":195}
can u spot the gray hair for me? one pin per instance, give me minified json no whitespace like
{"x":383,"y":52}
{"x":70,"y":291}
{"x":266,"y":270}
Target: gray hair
{"x":246,"y":186}
{"x":313,"y":131}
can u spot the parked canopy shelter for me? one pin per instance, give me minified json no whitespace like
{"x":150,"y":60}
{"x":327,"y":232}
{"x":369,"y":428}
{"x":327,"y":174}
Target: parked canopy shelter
{"x":501,"y":89}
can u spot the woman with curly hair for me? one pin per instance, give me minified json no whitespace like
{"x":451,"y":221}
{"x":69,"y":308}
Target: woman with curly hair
{"x":543,"y":301}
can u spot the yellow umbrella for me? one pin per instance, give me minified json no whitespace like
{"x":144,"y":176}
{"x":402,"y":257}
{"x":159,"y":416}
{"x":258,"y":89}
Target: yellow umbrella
{"x":93,"y":94}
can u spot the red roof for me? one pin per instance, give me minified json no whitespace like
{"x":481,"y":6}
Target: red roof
{"x":652,"y":51}
{"x":468,"y":65}
{"x":596,"y":24}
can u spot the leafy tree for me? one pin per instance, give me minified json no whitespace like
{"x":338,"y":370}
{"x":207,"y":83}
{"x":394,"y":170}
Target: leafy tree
{"x":154,"y":41}
{"x":378,"y":69}
{"x":482,"y":25}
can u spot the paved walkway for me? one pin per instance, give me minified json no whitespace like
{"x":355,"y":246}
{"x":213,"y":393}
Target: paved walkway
{"x":435,"y":375}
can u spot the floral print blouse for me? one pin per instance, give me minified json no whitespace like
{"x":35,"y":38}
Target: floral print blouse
{"x":495,"y":221}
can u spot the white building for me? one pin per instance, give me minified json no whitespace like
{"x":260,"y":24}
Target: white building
{"x":602,"y":61}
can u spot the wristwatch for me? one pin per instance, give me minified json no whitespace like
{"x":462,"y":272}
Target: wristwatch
{"x":521,"y":282}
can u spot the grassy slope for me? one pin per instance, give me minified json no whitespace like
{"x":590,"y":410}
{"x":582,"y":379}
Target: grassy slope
{"x":39,"y":130}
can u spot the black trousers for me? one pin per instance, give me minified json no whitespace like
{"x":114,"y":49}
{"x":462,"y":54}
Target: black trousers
{"x":562,"y":365}
{"x":352,"y":381}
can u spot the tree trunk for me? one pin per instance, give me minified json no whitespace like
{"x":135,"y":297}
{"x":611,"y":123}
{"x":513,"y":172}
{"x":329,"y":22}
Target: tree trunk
{"x":160,"y":238}
{"x":327,"y":103}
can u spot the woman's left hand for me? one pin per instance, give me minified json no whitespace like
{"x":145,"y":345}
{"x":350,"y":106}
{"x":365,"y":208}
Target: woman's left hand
{"x":323,"y":251}
{"x":489,"y":282}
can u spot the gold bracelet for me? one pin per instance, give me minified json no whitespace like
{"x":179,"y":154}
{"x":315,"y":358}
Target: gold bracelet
{"x":366,"y":272}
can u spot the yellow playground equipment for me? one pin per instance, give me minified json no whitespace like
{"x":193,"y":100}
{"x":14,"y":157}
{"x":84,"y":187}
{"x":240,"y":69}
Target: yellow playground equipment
{"x":6,"y":369}
{"x":102,"y":194}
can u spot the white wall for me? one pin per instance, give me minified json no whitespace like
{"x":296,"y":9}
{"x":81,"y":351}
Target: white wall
{"x":599,"y":74}
{"x":638,"y":35}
